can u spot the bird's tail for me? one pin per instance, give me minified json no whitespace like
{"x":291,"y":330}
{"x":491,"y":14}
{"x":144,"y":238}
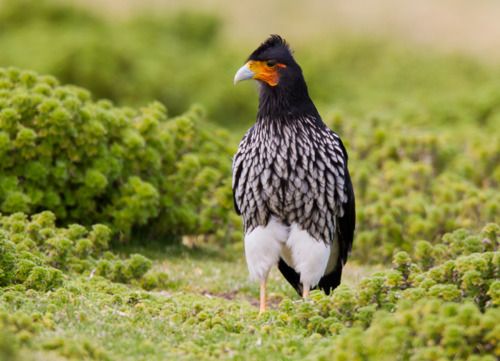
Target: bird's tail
{"x":327,"y":283}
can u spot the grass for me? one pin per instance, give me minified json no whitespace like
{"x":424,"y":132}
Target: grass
{"x":222,"y":273}
{"x":208,"y":310}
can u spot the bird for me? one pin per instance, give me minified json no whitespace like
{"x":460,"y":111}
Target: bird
{"x":291,"y":183}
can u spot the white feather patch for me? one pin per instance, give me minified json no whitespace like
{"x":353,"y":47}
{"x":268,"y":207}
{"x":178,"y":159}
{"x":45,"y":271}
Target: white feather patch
{"x":263,"y":248}
{"x":309,"y":256}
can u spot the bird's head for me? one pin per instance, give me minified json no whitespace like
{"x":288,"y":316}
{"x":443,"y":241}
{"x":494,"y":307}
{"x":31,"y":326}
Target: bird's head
{"x":272,"y":64}
{"x":283,"y":90}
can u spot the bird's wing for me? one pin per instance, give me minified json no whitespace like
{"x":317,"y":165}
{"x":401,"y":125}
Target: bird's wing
{"x":238,"y":170}
{"x":344,"y":204}
{"x":346,"y":220}
{"x":237,"y":210}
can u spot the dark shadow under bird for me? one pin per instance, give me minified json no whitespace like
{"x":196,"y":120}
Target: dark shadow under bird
{"x":291,"y":183}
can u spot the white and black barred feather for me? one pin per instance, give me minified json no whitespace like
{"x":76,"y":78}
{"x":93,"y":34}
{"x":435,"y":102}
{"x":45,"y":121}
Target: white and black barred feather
{"x":297,"y":171}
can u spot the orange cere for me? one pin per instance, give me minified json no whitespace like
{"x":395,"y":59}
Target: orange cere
{"x":264,"y":72}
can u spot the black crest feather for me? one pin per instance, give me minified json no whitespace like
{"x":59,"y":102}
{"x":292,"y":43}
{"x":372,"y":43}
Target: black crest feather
{"x":273,"y":42}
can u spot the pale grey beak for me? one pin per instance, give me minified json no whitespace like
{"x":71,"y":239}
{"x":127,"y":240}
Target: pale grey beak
{"x":243,"y":73}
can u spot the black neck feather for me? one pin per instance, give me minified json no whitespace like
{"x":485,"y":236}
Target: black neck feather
{"x":286,"y":101}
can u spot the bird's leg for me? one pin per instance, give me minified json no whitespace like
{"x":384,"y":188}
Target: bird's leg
{"x":305,"y":290}
{"x":263,"y":300}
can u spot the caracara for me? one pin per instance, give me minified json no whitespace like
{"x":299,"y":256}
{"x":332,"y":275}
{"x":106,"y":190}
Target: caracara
{"x":290,"y":180}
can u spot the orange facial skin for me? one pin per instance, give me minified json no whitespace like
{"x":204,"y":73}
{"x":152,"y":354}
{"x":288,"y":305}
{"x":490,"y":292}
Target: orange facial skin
{"x":264,"y":72}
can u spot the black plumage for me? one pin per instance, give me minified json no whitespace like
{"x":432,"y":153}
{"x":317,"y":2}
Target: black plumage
{"x":291,"y":166}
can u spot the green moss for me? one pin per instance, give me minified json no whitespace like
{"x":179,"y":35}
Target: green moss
{"x":35,"y":253}
{"x":412,"y":311}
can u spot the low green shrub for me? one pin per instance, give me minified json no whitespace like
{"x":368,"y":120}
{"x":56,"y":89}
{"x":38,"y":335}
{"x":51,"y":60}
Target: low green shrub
{"x":439,"y":302}
{"x":177,"y":59}
{"x":423,"y":330}
{"x":92,"y":162}
{"x":463,"y":269}
{"x":16,"y":329}
{"x":418,"y":183}
{"x":137,"y":170}
{"x":38,"y":255}
{"x":19,"y":330}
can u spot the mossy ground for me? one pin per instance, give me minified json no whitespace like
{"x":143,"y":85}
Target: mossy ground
{"x":440,"y":303}
{"x":208,"y":311}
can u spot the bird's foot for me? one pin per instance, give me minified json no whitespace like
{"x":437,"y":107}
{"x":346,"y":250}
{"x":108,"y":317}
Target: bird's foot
{"x":305,"y":291}
{"x":263,"y":300}
{"x":262,"y":309}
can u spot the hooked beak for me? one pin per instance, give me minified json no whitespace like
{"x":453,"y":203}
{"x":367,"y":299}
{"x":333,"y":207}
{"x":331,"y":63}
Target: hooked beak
{"x":244,"y":73}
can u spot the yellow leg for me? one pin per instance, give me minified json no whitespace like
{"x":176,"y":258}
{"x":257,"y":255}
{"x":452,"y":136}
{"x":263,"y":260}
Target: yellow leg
{"x":263,"y":305}
{"x":305,"y":291}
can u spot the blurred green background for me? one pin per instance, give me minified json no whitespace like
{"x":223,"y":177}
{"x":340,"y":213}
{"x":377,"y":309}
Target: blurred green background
{"x":358,"y":57}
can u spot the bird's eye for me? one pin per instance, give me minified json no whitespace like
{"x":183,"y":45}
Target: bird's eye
{"x":271,"y":63}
